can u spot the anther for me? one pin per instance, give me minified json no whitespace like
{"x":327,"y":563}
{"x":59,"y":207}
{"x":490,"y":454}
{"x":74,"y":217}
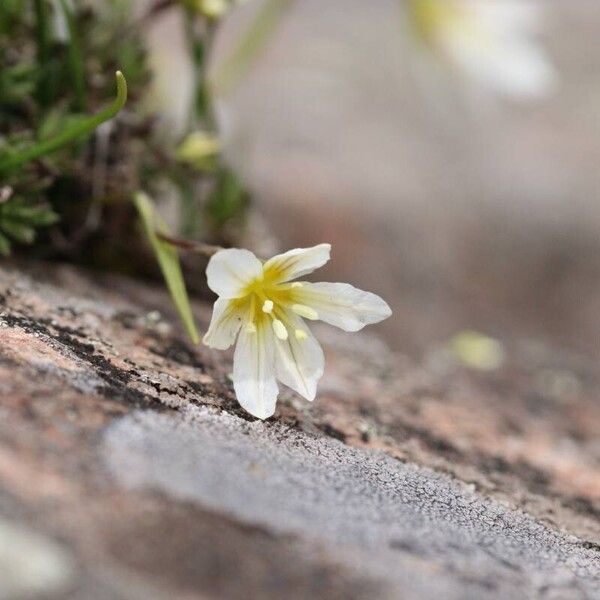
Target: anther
{"x":267,"y":306}
{"x":250,"y":327}
{"x":305,"y":311}
{"x":300,"y":334}
{"x":280,"y":330}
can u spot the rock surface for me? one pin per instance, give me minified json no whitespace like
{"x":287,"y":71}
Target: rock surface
{"x":127,"y":470}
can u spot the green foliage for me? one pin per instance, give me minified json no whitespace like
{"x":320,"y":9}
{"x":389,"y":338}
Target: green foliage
{"x":11,"y":15}
{"x":20,"y":219}
{"x":17,"y":84}
{"x":49,"y":84}
{"x":76,"y":128}
{"x":72,"y":164}
{"x":228,"y":199}
{"x":75,"y":56}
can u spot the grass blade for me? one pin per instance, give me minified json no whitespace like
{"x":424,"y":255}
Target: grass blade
{"x":168,"y":259}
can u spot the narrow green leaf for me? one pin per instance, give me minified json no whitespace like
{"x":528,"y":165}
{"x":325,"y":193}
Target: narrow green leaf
{"x":79,"y":129}
{"x":76,"y":63}
{"x":18,"y":231}
{"x":39,"y":216}
{"x":168,"y":259}
{"x":4,"y":245}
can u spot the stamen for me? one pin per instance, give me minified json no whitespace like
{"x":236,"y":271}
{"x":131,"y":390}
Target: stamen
{"x":297,"y":284}
{"x":305,"y":311}
{"x":300,"y":334}
{"x":250,"y":327}
{"x":268,"y":307}
{"x":280,"y":330}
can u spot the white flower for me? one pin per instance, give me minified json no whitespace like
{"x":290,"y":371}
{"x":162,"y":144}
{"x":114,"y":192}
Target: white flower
{"x":261,"y":305}
{"x":490,"y":41}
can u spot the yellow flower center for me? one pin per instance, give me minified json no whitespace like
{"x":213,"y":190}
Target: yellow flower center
{"x":435,"y":19}
{"x":430,"y":16}
{"x":267,"y":303}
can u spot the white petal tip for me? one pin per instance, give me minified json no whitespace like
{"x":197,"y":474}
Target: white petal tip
{"x":310,"y":396}
{"x":386,"y":311}
{"x":262,"y":415}
{"x":207,"y":341}
{"x":327,"y":249}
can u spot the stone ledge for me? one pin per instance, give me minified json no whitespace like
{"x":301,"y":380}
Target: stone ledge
{"x":126,"y":446}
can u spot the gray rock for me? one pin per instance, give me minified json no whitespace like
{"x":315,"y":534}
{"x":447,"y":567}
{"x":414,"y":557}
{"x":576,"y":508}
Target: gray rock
{"x":422,"y":533}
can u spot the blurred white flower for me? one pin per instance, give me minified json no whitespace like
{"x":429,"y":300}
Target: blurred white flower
{"x":489,"y":41}
{"x":261,"y":306}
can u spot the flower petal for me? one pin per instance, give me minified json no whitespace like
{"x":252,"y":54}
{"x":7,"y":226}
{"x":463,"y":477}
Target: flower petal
{"x":506,"y":17}
{"x":225,"y":323}
{"x":254,"y":372}
{"x":296,"y":263}
{"x":343,"y":305}
{"x":493,"y":43}
{"x":230,"y":271}
{"x":517,"y":67}
{"x":299,"y":363}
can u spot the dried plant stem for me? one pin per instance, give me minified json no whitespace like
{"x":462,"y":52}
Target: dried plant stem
{"x":189,"y":245}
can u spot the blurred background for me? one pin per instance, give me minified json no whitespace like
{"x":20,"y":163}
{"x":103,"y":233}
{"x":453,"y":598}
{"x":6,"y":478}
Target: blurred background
{"x":463,"y":205}
{"x":448,"y":150}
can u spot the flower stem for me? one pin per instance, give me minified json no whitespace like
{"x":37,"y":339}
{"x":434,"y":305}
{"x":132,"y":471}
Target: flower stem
{"x":42,"y":34}
{"x":75,"y":56}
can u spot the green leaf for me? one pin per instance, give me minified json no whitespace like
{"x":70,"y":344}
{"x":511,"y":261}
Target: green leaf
{"x":38,"y":216}
{"x":4,"y":245}
{"x":168,"y":259}
{"x":17,"y":83}
{"x":228,"y":199}
{"x":18,"y":231}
